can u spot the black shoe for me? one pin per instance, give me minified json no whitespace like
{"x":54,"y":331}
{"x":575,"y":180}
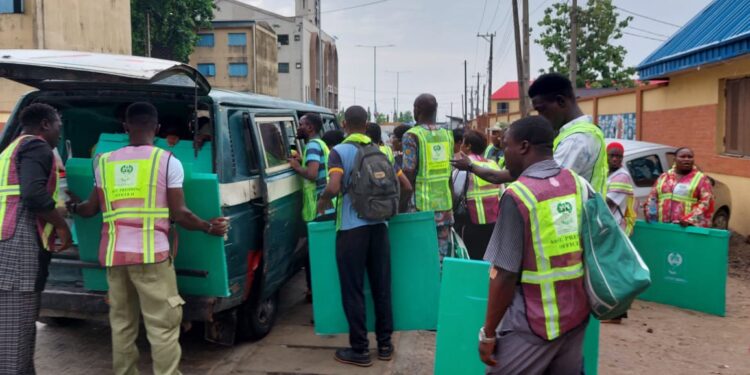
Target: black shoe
{"x":351,"y":357}
{"x":385,"y":353}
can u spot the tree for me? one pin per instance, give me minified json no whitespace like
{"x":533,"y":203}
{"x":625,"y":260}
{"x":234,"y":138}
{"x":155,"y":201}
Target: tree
{"x":405,"y":117}
{"x":380,"y":118}
{"x":173,"y":26}
{"x":599,"y":59}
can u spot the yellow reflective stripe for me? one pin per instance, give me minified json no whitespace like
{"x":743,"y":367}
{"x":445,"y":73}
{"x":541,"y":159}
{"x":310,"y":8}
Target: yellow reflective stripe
{"x":111,"y":232}
{"x":483,"y":193}
{"x":136,"y":213}
{"x":10,"y":190}
{"x":5,"y":160}
{"x":551,"y":313}
{"x":556,"y":274}
{"x":621,"y":186}
{"x":150,"y":203}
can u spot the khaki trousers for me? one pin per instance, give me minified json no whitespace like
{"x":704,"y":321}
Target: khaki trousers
{"x":150,"y":290}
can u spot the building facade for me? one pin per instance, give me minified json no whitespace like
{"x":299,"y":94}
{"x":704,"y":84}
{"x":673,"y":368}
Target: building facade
{"x":299,"y":41}
{"x":239,"y":56}
{"x":79,"y":25}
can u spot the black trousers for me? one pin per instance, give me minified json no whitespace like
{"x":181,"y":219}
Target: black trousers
{"x":476,"y":237}
{"x":359,"y":249}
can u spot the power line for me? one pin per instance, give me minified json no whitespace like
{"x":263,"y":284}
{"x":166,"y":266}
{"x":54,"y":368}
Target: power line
{"x":647,"y":17}
{"x":648,"y":32}
{"x":494,"y":16}
{"x":481,"y":20}
{"x":644,"y":37}
{"x":354,"y":6}
{"x":539,"y":7}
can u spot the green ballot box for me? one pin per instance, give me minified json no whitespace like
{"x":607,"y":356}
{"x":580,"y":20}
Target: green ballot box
{"x":463,"y":305}
{"x":415,"y":275}
{"x":688,"y":265}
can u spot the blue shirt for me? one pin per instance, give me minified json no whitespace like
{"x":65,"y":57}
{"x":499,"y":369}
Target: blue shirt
{"x":313,"y":152}
{"x":342,"y":158}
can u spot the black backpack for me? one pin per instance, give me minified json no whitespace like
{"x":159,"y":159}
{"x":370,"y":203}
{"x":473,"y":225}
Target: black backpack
{"x":373,"y":185}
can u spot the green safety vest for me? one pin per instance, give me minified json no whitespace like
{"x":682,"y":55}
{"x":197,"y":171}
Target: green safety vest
{"x":688,"y":200}
{"x":388,"y":153}
{"x":432,"y":190}
{"x":309,"y":188}
{"x":140,"y":187}
{"x":481,"y":190}
{"x":601,"y":168}
{"x":555,"y":226}
{"x":500,"y":160}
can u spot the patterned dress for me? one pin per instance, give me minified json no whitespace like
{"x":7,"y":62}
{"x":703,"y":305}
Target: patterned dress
{"x":698,"y":214}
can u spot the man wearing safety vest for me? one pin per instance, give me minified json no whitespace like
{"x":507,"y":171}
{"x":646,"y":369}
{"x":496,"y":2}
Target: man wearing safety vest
{"x":620,"y":196}
{"x":28,"y":227}
{"x":579,"y":145}
{"x":495,"y":151}
{"x":536,"y":274}
{"x":138,"y":190}
{"x":427,"y":153}
{"x":313,"y":173}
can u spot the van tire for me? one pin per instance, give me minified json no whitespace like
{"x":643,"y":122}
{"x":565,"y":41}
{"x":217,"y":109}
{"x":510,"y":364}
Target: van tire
{"x":256,"y":317}
{"x":720,"y":220}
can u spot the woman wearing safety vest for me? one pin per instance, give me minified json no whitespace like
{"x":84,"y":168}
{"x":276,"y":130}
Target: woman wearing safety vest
{"x":620,"y":197}
{"x":683,"y":195}
{"x":477,"y":200}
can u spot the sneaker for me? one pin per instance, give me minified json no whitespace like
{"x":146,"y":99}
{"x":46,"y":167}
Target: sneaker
{"x":351,"y":357}
{"x":385,"y":353}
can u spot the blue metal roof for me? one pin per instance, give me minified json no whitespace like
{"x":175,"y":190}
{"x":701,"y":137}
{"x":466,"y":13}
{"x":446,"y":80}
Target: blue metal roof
{"x":719,"y":32}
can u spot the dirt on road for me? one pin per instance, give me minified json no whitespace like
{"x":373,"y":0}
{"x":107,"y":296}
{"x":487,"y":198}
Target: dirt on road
{"x":660,"y":339}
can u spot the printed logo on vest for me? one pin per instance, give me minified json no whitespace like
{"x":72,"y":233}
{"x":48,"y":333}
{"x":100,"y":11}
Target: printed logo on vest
{"x":126,"y":176}
{"x":564,"y":216}
{"x":438,"y":152}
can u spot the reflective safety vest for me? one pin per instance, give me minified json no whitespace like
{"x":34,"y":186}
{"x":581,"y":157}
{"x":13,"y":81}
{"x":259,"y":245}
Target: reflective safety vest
{"x":10,"y":193}
{"x":601,"y":168}
{"x":310,"y":188}
{"x":133,"y":201}
{"x":500,"y":160}
{"x":552,"y":269}
{"x":432,"y":191}
{"x":388,"y":153}
{"x":681,"y":193}
{"x":630,"y":214}
{"x":482,"y":197}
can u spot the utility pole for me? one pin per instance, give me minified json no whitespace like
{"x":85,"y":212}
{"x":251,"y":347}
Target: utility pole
{"x":484,"y":95}
{"x":321,"y":60}
{"x":397,"y":84}
{"x":489,"y":69}
{"x":519,"y":60}
{"x":148,"y":34}
{"x":471,"y":102}
{"x":476,"y":109}
{"x":526,"y":63}
{"x":375,"y":73}
{"x":465,"y":107}
{"x":573,"y":42}
{"x":355,"y":94}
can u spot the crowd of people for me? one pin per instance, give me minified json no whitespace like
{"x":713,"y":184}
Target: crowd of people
{"x":514,"y":202}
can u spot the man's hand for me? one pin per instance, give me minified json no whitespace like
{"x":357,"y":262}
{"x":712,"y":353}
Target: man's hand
{"x":219,"y":226}
{"x":294,"y":162}
{"x":462,"y":164}
{"x":684,"y":223}
{"x":645,"y":213}
{"x":323,"y":205}
{"x":485,"y":353}
{"x":65,"y":237}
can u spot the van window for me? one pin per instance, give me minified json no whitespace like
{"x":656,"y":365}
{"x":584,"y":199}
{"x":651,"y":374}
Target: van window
{"x":329,"y":123}
{"x":244,"y":161}
{"x":645,"y":170}
{"x":274,"y":137}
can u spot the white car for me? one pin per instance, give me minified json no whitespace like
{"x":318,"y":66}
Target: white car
{"x":647,"y":161}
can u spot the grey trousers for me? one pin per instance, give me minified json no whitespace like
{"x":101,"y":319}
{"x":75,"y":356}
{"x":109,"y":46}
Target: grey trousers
{"x":518,"y":355}
{"x":18,"y":313}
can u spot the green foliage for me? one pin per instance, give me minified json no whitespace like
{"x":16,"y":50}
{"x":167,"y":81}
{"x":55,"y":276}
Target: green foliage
{"x":405,"y":117}
{"x":381,"y":118}
{"x":600,"y":60}
{"x":173,"y":26}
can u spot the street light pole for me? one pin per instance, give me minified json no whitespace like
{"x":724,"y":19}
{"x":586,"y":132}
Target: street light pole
{"x":375,"y":74}
{"x":398,"y":73}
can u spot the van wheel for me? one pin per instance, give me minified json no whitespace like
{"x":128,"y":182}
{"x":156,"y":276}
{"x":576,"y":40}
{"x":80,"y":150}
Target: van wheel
{"x":721,"y":219}
{"x":256,"y":317}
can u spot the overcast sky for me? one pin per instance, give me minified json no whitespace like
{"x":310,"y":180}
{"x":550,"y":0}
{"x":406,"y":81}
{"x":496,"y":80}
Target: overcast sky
{"x":432,"y":38}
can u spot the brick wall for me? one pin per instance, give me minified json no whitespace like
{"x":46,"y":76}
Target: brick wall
{"x":694,"y":127}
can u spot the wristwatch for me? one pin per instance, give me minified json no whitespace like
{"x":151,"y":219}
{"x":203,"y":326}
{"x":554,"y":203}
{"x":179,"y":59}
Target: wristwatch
{"x":484,"y":339}
{"x":471,"y":167}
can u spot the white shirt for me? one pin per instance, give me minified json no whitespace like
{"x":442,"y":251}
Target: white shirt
{"x":578,"y":151}
{"x":620,"y":199}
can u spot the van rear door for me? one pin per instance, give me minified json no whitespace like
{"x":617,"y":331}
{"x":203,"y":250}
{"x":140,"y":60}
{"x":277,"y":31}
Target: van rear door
{"x":275,"y":137}
{"x":43,"y":68}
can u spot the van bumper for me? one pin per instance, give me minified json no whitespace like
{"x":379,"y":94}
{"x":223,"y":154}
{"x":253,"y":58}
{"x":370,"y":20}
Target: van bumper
{"x":77,"y":303}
